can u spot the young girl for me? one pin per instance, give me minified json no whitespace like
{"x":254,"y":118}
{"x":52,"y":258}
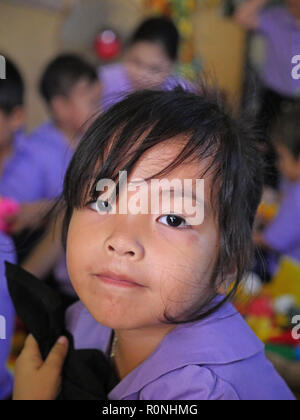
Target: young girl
{"x":148,"y":62}
{"x":149,"y":282}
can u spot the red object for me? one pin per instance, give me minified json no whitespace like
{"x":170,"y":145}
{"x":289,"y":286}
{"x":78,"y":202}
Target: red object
{"x":108,"y":45}
{"x":8,"y":207}
{"x":261,"y":307}
{"x":285,"y":338}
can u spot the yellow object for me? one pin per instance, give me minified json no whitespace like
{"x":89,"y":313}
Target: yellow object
{"x":286,"y":281}
{"x":268,"y":211}
{"x":263,"y":328}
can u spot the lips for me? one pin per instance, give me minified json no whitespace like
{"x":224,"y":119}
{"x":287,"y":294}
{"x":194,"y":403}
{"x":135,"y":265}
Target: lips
{"x":118,"y":280}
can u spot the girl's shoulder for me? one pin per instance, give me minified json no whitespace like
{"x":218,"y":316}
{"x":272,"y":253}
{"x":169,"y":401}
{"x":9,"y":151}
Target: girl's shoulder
{"x":192,"y":382}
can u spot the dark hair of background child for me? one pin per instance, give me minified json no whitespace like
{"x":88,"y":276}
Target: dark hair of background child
{"x":159,"y":30}
{"x":12,"y":88}
{"x":212,"y":132}
{"x":62,"y":74}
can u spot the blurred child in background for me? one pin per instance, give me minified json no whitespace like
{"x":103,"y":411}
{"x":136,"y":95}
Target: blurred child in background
{"x":8,"y":317}
{"x":149,"y":62}
{"x":34,"y":177}
{"x":282,"y":235}
{"x":280,"y":28}
{"x":11,"y":113}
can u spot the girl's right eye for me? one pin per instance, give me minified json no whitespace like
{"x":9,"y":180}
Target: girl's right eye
{"x":100,"y":206}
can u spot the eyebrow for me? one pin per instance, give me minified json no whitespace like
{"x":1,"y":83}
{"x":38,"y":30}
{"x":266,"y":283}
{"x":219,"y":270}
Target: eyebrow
{"x":187,"y":193}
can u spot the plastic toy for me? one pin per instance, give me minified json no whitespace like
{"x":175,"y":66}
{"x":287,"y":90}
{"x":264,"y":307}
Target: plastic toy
{"x":108,"y":45}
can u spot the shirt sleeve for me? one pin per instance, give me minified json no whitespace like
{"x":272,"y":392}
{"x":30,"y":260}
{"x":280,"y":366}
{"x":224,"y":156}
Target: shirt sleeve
{"x":189,"y":383}
{"x":7,"y":314}
{"x":22,"y":179}
{"x":283,"y":234}
{"x":268,"y":20}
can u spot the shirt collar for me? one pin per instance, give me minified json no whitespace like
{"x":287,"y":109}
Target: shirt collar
{"x":222,"y":338}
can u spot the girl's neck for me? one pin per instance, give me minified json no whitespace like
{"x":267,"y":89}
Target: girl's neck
{"x":133,"y":347}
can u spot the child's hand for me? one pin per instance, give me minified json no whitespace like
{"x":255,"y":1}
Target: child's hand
{"x":36,"y":379}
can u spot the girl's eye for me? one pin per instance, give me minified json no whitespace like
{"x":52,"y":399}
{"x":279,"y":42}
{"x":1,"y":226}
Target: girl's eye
{"x":175,"y":221}
{"x":100,"y":206}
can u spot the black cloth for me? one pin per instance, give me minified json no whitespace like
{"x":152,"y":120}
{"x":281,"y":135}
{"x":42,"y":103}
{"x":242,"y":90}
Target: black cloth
{"x":87,"y":374}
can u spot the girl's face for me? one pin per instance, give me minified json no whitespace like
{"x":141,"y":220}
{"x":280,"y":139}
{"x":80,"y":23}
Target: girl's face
{"x":147,"y":65}
{"x":77,"y":108}
{"x":171,"y":263}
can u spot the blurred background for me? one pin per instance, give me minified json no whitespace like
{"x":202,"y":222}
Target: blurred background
{"x":34,"y":31}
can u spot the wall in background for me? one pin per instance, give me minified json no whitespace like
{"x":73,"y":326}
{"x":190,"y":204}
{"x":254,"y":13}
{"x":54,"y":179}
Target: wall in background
{"x":221,"y":44}
{"x":31,"y":36}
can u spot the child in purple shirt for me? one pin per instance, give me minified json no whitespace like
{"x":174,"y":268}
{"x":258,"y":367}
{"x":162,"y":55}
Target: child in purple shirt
{"x":149,"y":62}
{"x":282,"y":235}
{"x":280,"y":29}
{"x":11,"y":114}
{"x":34,"y":176}
{"x":148,"y":276}
{"x":71,"y":91}
{"x":7,"y":317}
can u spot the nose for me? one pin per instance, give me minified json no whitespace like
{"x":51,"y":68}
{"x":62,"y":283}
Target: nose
{"x":124,"y":246}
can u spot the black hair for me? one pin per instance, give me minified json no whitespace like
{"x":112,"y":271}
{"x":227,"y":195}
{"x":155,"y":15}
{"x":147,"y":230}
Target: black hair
{"x":148,"y":118}
{"x":159,"y":30}
{"x":287,"y":130}
{"x":61,"y":75}
{"x":11,"y":89}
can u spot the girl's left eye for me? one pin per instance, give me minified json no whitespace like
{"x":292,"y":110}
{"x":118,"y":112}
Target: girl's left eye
{"x":175,"y":221}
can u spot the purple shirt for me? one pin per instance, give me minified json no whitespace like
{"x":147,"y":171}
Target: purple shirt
{"x":218,"y":358}
{"x":283,"y":234}
{"x":282,"y":34}
{"x":116,"y":84}
{"x":36,"y":171}
{"x":7,"y":311}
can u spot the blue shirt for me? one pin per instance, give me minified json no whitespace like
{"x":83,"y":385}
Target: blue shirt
{"x":37,"y":169}
{"x":116,"y":84}
{"x":218,"y":358}
{"x":282,"y":35}
{"x":7,"y":311}
{"x":283,"y":233}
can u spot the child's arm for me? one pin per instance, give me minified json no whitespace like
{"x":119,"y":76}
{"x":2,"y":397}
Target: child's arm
{"x":46,"y":254}
{"x":247,"y":14}
{"x":283,"y":234}
{"x":37,"y":380}
{"x":30,"y":216}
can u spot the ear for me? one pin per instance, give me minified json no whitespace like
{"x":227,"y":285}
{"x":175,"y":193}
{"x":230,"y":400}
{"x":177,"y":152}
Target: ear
{"x":17,"y":118}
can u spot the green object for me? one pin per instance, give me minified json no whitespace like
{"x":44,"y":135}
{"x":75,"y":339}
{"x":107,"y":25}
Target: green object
{"x":283,"y":351}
